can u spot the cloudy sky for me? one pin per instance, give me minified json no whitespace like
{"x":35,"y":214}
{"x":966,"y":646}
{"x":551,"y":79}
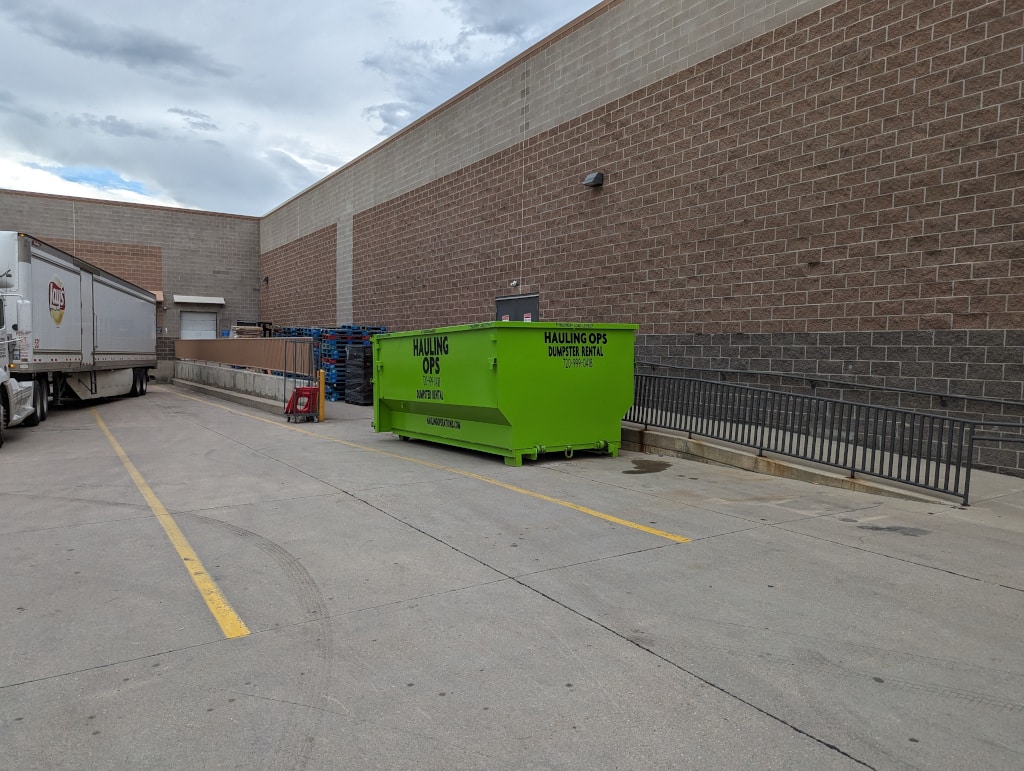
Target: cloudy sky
{"x":233,"y":106}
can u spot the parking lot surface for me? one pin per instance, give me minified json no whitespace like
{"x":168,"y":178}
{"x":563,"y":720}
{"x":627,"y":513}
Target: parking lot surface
{"x":188,"y":583}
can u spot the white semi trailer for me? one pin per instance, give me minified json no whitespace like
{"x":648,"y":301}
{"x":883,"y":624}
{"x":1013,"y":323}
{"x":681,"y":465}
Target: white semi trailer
{"x":68,"y":330}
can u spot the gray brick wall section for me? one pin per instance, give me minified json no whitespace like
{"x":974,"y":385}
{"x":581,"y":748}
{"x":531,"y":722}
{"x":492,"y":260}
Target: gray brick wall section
{"x":202,"y":253}
{"x":977,"y":364}
{"x":974,"y":374}
{"x":623,"y":46}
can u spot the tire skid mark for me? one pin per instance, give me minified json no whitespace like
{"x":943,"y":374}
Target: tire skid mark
{"x":944,"y":691}
{"x":294,"y":750}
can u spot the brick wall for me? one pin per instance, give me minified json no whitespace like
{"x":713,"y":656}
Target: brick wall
{"x":612,"y":50}
{"x":847,"y":190}
{"x":140,"y":264}
{"x":177,"y":251}
{"x":301,"y":289}
{"x":856,"y":170}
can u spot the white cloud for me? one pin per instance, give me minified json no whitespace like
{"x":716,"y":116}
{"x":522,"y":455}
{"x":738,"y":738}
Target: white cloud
{"x":234,"y":106}
{"x":31,"y":176}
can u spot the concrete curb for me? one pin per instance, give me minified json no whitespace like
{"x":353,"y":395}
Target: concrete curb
{"x":660,"y":442}
{"x":247,"y":400}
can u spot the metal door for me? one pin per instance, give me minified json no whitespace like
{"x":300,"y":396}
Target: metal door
{"x":198,"y":325}
{"x":520,"y":307}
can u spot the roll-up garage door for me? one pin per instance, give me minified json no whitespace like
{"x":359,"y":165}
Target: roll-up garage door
{"x":198,"y":325}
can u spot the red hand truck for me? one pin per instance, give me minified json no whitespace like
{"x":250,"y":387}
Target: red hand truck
{"x":303,"y":404}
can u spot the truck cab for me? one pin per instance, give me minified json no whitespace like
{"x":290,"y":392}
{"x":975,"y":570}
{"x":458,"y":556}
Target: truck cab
{"x":17,"y":398}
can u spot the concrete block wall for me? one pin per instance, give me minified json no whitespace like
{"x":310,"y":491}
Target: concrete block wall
{"x":857,"y":170}
{"x":846,"y":188}
{"x":176,"y":251}
{"x":614,"y":49}
{"x":301,"y":289}
{"x":242,"y":381}
{"x":138,"y":263}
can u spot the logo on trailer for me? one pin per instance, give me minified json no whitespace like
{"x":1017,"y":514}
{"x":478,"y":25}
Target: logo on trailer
{"x":57,"y":302}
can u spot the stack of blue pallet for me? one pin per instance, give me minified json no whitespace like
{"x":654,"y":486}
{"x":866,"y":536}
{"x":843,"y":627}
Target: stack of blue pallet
{"x":330,"y":351}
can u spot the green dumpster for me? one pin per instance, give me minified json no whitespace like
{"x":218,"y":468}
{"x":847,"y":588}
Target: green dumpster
{"x":512,"y":388}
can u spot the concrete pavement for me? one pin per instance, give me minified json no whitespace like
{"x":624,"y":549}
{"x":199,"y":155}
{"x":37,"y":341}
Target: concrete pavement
{"x":416,"y":606}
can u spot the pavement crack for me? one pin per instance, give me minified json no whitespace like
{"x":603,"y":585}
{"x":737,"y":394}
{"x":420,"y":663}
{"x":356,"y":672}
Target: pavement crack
{"x":120,"y":520}
{"x":518,"y":581}
{"x":695,"y":675}
{"x":897,"y":559}
{"x":108,"y":665}
{"x":596,"y":559}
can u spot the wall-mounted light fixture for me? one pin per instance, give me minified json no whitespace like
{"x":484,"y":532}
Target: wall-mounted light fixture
{"x":266,"y":280}
{"x":594,"y":179}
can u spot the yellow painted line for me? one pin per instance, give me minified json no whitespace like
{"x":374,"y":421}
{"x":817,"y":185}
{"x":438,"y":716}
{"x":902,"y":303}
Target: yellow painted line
{"x":230,"y":623}
{"x":567,"y":504}
{"x":452,"y":470}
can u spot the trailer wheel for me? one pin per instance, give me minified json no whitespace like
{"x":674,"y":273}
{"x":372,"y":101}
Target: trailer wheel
{"x":33,"y":419}
{"x":44,"y":400}
{"x":140,"y":382}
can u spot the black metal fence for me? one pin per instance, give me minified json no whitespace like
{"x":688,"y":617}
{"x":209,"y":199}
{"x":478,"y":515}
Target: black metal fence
{"x":924,"y":450}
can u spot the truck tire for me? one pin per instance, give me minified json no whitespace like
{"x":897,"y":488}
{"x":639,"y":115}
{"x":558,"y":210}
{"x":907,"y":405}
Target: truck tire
{"x":140,"y":382}
{"x":44,"y":400}
{"x":34,"y":418}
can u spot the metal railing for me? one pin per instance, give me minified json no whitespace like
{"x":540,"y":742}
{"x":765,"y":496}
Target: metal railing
{"x":913,"y":448}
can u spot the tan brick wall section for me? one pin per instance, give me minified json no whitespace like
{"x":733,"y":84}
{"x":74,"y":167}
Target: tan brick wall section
{"x":858,"y":169}
{"x":620,"y":46}
{"x":301,"y":288}
{"x":142,"y":265}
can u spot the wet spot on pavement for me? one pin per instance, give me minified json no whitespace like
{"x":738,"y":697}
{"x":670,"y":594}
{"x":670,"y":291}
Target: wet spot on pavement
{"x":911,"y":531}
{"x":645,"y":466}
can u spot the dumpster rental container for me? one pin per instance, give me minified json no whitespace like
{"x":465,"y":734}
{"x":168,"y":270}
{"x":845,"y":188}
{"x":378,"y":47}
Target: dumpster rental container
{"x":512,"y":388}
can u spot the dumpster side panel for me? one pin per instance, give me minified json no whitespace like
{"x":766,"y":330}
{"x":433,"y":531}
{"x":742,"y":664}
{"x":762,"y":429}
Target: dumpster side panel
{"x":439,"y":385}
{"x":566,"y":387}
{"x":511,"y":388}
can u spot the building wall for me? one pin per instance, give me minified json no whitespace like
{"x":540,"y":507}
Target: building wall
{"x":835,"y":205}
{"x":300,"y":287}
{"x":175,"y":251}
{"x":616,"y":48}
{"x":841,"y":196}
{"x":795,"y":191}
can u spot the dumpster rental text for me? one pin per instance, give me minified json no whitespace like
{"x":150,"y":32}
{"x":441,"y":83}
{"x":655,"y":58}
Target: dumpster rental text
{"x":431,"y":350}
{"x":576,"y":349}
